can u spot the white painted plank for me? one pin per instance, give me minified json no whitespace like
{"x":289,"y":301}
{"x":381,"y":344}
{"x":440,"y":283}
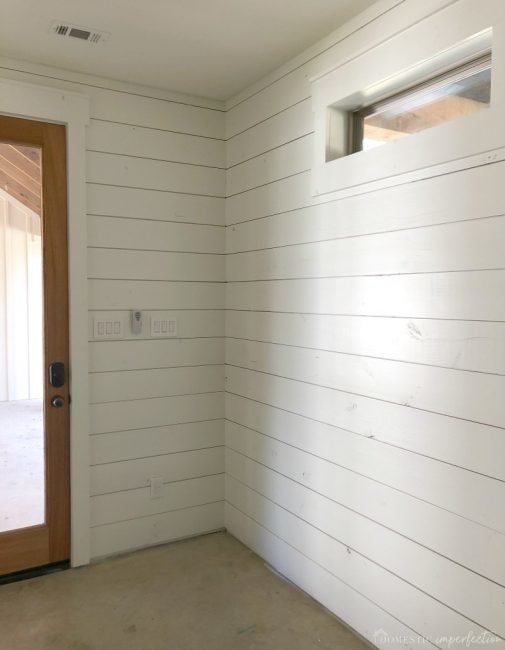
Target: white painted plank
{"x":472,"y":245}
{"x":159,"y":382}
{"x":432,"y":571}
{"x":130,"y":474}
{"x":423,"y":478}
{"x":294,"y":122}
{"x":127,"y":171}
{"x":289,"y":194}
{"x":436,"y":200}
{"x":155,"y":412}
{"x":435,"y":483}
{"x":155,"y":113}
{"x":153,"y":143}
{"x":420,"y":611}
{"x":138,"y":294}
{"x":400,"y":513}
{"x":120,"y":232}
{"x":190,"y":324}
{"x":440,"y":390}
{"x":133,"y":203}
{"x":463,"y":345}
{"x":164,"y":353}
{"x":121,"y":264}
{"x":362,"y":615}
{"x":474,"y":446}
{"x":130,"y":107}
{"x":286,"y":160}
{"x":157,"y":529}
{"x":460,"y":296}
{"x":155,"y":441}
{"x":122,"y":506}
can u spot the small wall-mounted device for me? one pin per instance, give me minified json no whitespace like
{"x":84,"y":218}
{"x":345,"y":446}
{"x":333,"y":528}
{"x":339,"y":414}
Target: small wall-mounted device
{"x":136,"y":321}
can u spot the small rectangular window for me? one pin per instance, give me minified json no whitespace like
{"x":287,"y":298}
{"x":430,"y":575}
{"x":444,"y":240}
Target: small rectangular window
{"x":446,"y":97}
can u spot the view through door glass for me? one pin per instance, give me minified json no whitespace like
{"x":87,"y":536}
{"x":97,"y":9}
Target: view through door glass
{"x":22,"y":480}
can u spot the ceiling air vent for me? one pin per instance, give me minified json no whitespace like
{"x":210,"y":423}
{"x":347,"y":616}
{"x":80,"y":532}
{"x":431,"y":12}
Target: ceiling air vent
{"x":61,"y":28}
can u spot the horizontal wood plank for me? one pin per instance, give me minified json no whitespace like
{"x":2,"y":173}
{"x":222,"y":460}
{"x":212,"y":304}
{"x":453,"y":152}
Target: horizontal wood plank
{"x":130,"y":474}
{"x":128,"y":171}
{"x":294,"y":122}
{"x":145,"y":354}
{"x":459,"y":296}
{"x":144,"y":234}
{"x":466,"y":444}
{"x":282,"y":161}
{"x":160,"y":382}
{"x":122,"y":264}
{"x":453,"y":344}
{"x":128,"y":294}
{"x":380,"y":504}
{"x":134,"y":203}
{"x":131,"y":140}
{"x":156,"y":529}
{"x":123,"y":506}
{"x":155,"y":441}
{"x":155,"y":412}
{"x":471,"y":245}
{"x":429,"y":388}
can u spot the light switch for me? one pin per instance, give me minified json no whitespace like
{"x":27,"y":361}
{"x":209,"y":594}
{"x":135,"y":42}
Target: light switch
{"x":107,"y":328}
{"x":163,"y":324}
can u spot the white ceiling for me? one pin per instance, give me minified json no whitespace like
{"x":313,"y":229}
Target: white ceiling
{"x":211,"y":48}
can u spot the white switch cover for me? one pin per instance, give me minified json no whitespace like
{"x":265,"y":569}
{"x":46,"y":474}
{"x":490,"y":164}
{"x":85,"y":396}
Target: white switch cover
{"x":156,"y":488}
{"x":107,"y":328}
{"x":163,"y":325}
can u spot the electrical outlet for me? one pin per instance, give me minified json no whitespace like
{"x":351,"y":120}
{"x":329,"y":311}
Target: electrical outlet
{"x":157,"y":488}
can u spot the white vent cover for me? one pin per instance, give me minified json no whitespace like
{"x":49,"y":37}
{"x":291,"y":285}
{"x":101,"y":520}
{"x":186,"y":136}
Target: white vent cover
{"x":62,"y":28}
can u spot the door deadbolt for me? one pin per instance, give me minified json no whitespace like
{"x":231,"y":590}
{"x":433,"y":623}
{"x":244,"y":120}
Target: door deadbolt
{"x":57,"y":374}
{"x":57,"y":402}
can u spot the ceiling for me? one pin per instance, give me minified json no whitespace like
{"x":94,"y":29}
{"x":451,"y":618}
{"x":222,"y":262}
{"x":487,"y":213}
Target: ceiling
{"x":20,"y":174}
{"x":210,"y":48}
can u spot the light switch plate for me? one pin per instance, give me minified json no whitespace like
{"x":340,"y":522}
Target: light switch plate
{"x":163,"y":325}
{"x":107,"y":328}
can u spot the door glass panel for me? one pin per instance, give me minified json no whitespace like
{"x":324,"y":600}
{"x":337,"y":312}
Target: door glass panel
{"x":22,"y":471}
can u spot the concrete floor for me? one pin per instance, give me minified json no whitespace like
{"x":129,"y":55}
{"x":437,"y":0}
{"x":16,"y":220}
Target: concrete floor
{"x":207,"y":593}
{"x":21,"y":464}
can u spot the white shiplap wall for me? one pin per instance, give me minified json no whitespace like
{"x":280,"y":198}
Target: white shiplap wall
{"x":365,"y":369}
{"x":156,"y":181}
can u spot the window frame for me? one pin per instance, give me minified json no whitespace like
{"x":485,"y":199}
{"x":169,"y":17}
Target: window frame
{"x":455,"y":73}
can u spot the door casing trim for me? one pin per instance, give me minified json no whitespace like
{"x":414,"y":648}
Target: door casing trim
{"x":31,"y":101}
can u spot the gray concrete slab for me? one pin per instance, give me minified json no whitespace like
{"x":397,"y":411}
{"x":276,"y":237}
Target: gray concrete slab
{"x":21,"y":464}
{"x":206,"y":593}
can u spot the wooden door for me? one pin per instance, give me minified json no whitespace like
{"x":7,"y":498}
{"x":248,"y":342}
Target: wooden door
{"x":47,"y":542}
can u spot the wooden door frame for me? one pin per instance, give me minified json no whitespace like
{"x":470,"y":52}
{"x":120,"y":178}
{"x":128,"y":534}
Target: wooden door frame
{"x":44,"y":104}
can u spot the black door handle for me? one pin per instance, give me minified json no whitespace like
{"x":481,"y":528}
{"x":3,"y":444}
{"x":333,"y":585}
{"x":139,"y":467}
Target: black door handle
{"x":57,"y":374}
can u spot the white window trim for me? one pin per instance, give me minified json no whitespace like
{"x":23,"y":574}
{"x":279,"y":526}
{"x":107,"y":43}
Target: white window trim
{"x":440,"y":40}
{"x":31,"y":101}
